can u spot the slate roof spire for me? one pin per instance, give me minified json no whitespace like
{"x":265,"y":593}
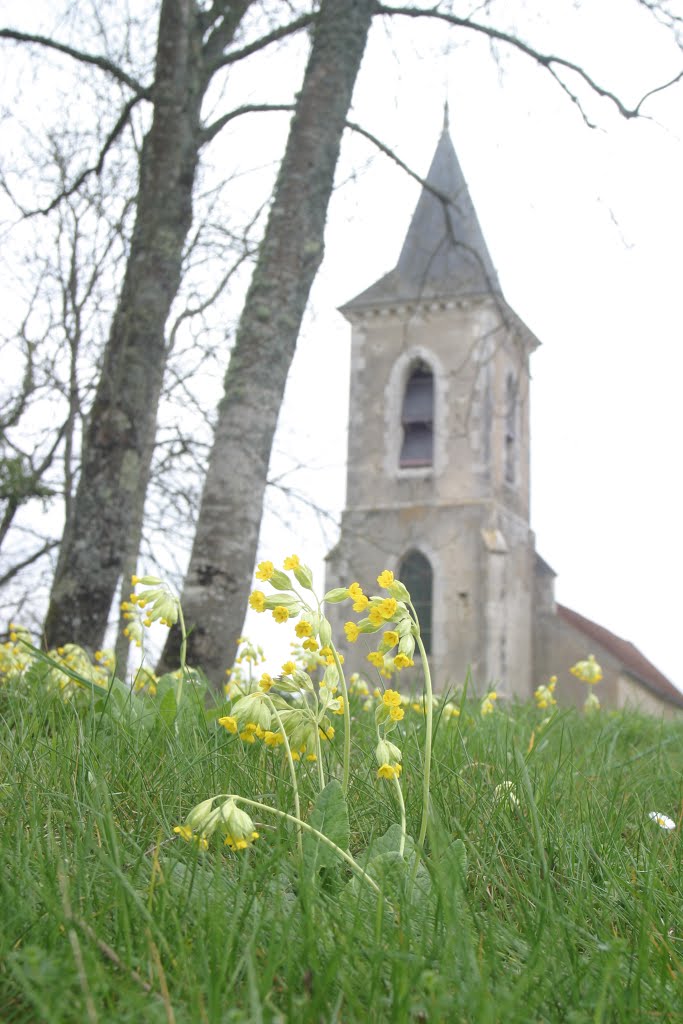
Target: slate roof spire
{"x":444,"y":254}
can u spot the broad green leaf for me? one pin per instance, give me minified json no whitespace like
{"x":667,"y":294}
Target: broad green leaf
{"x":331,"y":817}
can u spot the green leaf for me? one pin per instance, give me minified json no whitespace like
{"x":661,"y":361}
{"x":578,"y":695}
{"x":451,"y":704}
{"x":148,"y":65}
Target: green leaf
{"x":390,"y":842}
{"x":331,"y":817}
{"x":168,"y":708}
{"x":455,"y":859}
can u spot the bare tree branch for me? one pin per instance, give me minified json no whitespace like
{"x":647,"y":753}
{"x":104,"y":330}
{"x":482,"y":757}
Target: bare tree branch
{"x":212,"y":130}
{"x":49,"y":545}
{"x":548,"y":61}
{"x":122,"y":121}
{"x":142,"y":91}
{"x":259,"y":44}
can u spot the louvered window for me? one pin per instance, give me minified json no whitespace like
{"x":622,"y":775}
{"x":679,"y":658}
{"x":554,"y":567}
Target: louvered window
{"x":417,"y":419}
{"x":416,"y":573}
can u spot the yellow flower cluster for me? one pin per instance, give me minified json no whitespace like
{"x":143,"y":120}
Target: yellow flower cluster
{"x":544,"y":695}
{"x":381,"y":612}
{"x":228,"y":819}
{"x":488,"y":703}
{"x":587,"y":671}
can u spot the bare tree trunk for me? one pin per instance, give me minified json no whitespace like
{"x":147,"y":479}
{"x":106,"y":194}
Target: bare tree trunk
{"x":119,"y":437}
{"x":218,"y":580}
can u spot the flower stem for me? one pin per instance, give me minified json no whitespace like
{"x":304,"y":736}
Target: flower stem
{"x":399,"y":794}
{"x":292,"y":772}
{"x":183,"y":662}
{"x":427,"y":758}
{"x":347,"y":721}
{"x":319,"y":835}
{"x":319,"y":758}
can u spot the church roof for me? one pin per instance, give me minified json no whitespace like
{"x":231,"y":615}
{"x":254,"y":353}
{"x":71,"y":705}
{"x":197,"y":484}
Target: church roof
{"x":444,"y":254}
{"x":633,"y":661}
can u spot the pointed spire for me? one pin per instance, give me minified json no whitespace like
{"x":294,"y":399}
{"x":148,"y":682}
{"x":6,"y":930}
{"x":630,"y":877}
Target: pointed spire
{"x":444,"y":254}
{"x":446,"y":126}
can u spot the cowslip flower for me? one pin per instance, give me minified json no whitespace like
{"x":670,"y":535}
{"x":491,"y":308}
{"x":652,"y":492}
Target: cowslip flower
{"x":352,"y":631}
{"x":237,"y":826}
{"x":403,"y":661}
{"x":587,"y":671}
{"x":391,"y":698}
{"x":292,"y":562}
{"x":487,"y":705}
{"x":303,"y":629}
{"x":375,"y":617}
{"x":257,"y":601}
{"x":280,"y":613}
{"x":264,"y":571}
{"x":666,"y":823}
{"x":389,"y":771}
{"x":387,"y":607}
{"x":544,"y":694}
{"x":360,"y":600}
{"x":385,"y":579}
{"x":229,"y":723}
{"x":186,"y":833}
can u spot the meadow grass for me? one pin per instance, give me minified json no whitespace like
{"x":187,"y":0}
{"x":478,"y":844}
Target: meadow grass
{"x":565,"y":906}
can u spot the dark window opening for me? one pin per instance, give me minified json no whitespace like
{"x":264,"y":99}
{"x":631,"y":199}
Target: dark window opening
{"x":510,"y":429}
{"x":415,"y":573}
{"x":417,"y":419}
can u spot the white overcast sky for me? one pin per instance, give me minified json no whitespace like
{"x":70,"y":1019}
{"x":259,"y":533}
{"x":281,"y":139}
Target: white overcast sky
{"x":585,"y":228}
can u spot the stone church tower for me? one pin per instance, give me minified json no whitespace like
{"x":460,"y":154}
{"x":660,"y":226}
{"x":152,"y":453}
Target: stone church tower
{"x":438,"y":470}
{"x":438,"y":457}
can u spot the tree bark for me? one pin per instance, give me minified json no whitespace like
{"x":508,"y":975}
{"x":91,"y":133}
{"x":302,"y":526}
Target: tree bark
{"x":119,"y":436}
{"x":218,"y":581}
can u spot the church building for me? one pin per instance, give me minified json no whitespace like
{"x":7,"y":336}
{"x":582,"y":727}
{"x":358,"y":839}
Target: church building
{"x":438,"y":470}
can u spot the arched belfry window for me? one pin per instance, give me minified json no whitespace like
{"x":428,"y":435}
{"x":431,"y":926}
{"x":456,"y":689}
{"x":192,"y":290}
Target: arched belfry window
{"x":417,"y":418}
{"x":415,"y":573}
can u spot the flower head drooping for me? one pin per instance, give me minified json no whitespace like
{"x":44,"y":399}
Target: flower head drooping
{"x":661,"y":819}
{"x":587,"y":671}
{"x":389,"y":758}
{"x":385,"y":579}
{"x":237,"y":826}
{"x":158,"y":600}
{"x":257,"y":601}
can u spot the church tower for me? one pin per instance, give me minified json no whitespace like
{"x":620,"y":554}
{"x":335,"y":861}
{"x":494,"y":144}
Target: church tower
{"x":438,"y":447}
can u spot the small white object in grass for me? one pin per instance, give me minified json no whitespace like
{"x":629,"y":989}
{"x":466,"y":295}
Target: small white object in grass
{"x":506,"y":790}
{"x":662,"y":820}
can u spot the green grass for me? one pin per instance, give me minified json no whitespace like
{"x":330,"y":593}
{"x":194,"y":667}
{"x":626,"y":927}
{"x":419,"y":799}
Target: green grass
{"x":565,"y":908}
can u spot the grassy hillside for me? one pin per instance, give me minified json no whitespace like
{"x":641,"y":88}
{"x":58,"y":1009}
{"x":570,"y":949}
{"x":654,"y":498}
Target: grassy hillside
{"x":546,"y":893}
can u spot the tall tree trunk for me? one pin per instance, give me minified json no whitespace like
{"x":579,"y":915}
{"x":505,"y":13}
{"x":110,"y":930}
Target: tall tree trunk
{"x":218,"y":580}
{"x":119,"y":437}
